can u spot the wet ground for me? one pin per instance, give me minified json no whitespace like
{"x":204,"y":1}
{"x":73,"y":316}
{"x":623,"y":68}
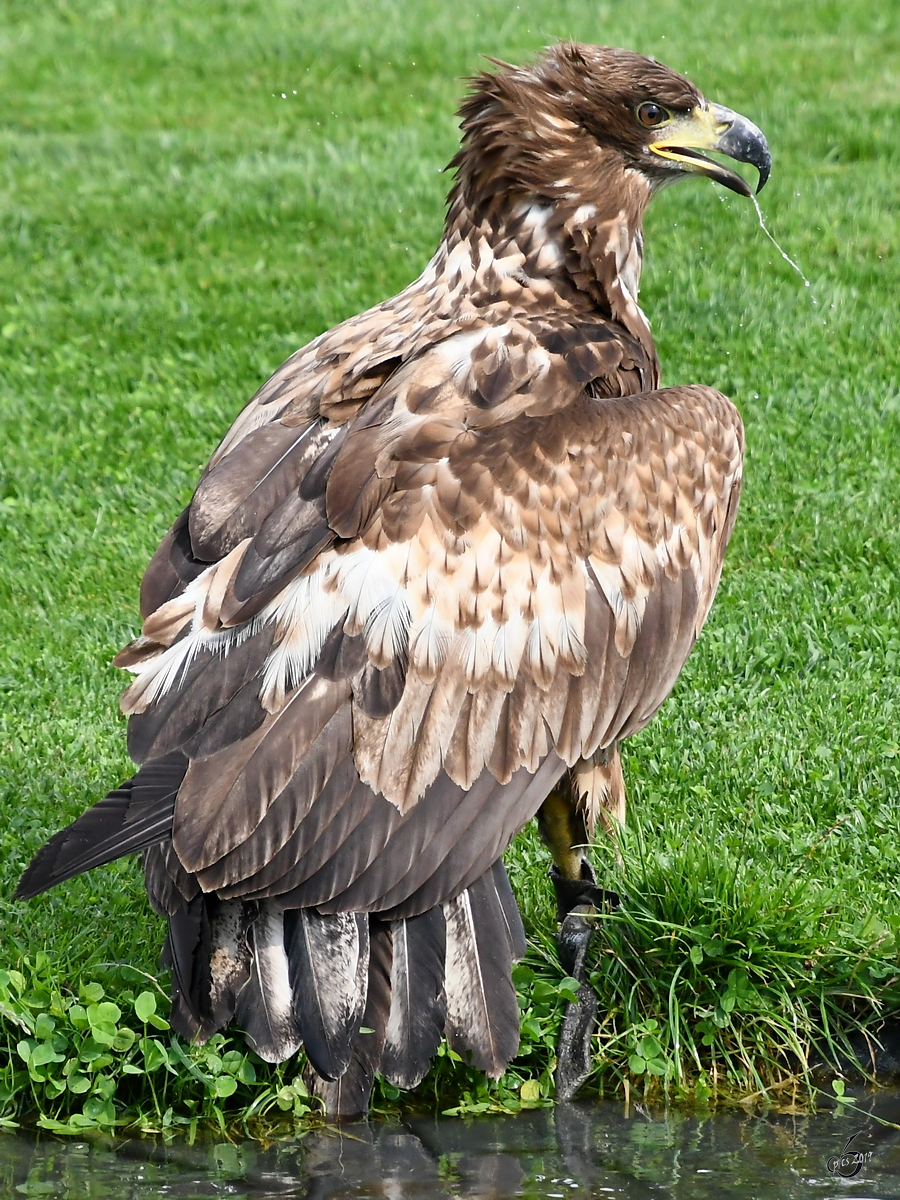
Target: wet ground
{"x":575,"y":1151}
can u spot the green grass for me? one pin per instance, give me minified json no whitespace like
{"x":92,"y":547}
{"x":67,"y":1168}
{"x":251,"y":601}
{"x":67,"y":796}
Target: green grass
{"x":172,"y":229}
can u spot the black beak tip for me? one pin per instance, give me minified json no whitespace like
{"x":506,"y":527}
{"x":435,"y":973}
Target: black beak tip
{"x":745,"y":143}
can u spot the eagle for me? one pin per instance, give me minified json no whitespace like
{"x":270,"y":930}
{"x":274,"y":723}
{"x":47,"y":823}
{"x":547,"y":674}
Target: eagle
{"x":447,"y":558}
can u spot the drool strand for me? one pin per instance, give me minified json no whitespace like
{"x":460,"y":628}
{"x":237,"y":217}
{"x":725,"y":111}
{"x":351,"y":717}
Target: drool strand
{"x":787,"y":258}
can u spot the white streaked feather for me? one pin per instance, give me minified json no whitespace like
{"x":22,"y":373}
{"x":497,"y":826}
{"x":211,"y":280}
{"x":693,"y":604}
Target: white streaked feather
{"x":400,"y":1006}
{"x":264,"y":1006}
{"x":509,"y":646}
{"x":292,"y":604}
{"x":370,"y":583}
{"x":157,"y":675}
{"x":474,"y":650}
{"x":457,"y":351}
{"x":470,"y":1020}
{"x":339,"y":959}
{"x":510,"y":264}
{"x":160,"y":673}
{"x":387,"y":629}
{"x":459,"y":262}
{"x":305,"y":613}
{"x":463,"y":981}
{"x":364,"y":581}
{"x":430,"y":641}
{"x":170,"y":618}
{"x":229,"y":960}
{"x":535,"y":217}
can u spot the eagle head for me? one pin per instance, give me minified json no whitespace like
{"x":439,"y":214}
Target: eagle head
{"x":582,"y":119}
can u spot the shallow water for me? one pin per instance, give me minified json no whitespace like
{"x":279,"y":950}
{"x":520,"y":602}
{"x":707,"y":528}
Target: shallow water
{"x":574,"y":1151}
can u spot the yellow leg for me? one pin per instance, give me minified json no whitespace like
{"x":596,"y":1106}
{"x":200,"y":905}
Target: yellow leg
{"x":593,"y":793}
{"x":563,"y":831}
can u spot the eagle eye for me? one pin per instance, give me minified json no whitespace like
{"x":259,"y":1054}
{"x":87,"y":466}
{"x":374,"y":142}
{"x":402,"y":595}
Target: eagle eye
{"x":652,"y":114}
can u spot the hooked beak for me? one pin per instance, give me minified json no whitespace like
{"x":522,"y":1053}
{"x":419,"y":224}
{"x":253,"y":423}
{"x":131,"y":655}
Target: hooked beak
{"x":722,"y":131}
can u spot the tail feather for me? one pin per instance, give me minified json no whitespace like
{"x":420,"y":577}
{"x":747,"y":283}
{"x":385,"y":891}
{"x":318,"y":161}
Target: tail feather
{"x":348,"y":1096}
{"x":362,"y":993}
{"x":187,"y":951}
{"x":418,"y":1003}
{"x":264,"y":1006}
{"x":512,"y":918}
{"x":482,"y":1009}
{"x":229,"y":965}
{"x":329,"y":967}
{"x":132,"y":818}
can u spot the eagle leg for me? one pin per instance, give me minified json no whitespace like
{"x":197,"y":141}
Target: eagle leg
{"x":563,"y":822}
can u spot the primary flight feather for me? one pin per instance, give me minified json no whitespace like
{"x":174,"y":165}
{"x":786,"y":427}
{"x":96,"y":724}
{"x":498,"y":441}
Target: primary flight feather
{"x":450,"y":554}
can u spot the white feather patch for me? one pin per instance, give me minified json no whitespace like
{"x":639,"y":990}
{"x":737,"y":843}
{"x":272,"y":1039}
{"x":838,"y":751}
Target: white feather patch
{"x":198,"y":604}
{"x":508,"y":648}
{"x":156,"y":676}
{"x":305,"y":613}
{"x":430,"y":641}
{"x":370,"y":584}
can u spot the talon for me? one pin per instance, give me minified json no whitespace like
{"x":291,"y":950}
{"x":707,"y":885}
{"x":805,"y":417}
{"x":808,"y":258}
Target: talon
{"x":574,"y":893}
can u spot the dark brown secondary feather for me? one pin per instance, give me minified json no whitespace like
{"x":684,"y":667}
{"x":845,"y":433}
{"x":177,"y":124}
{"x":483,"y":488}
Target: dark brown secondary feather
{"x":209,"y":684}
{"x":136,"y":815}
{"x":172,"y":567}
{"x":236,"y":496}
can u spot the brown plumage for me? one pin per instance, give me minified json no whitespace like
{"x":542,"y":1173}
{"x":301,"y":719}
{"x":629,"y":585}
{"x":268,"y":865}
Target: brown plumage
{"x":450,"y":554}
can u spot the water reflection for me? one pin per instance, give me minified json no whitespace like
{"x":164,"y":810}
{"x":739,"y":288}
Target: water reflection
{"x":576,"y":1151}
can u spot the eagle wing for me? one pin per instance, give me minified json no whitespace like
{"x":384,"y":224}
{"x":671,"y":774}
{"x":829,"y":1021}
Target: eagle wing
{"x":388,"y":637}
